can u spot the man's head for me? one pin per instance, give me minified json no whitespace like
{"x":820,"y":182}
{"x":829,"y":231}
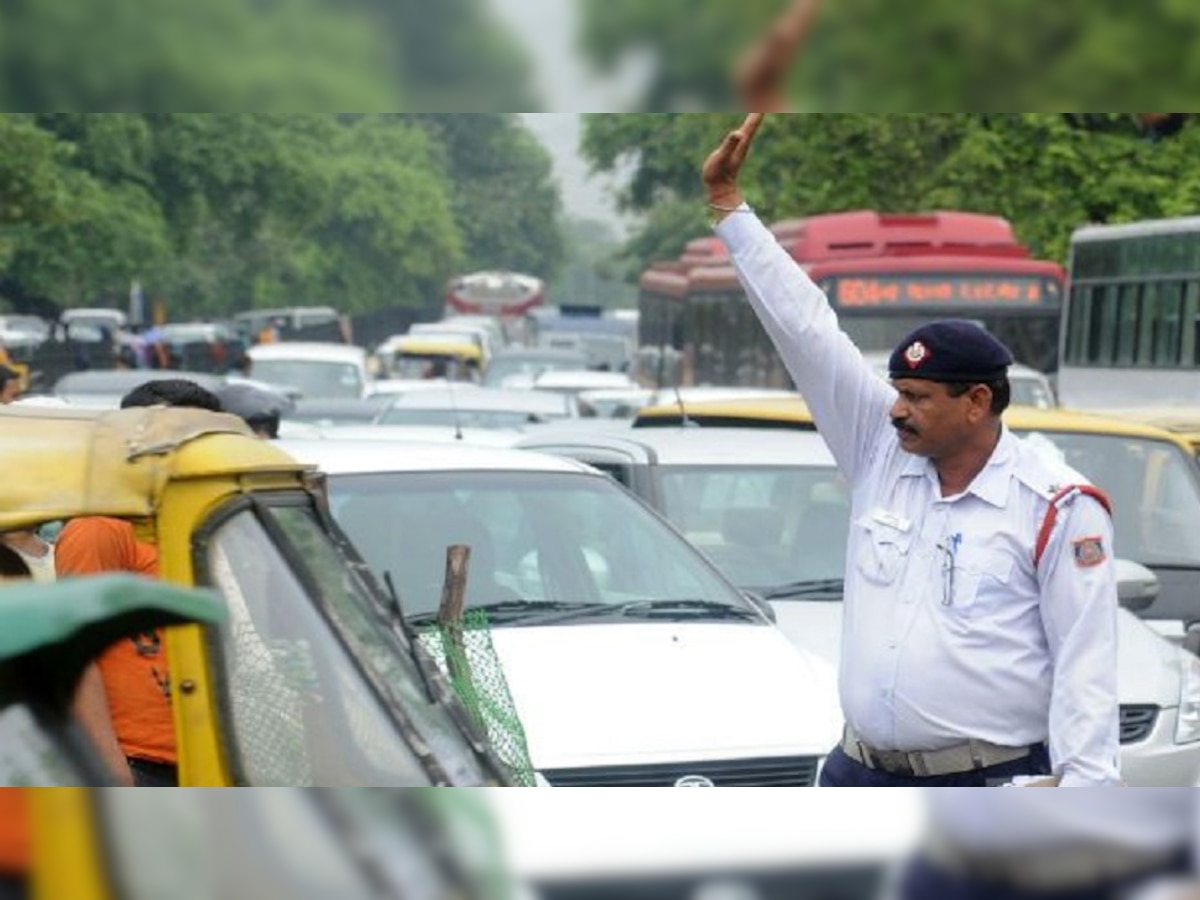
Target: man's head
{"x":262,"y":410}
{"x":10,"y":384}
{"x":177,"y":392}
{"x":952,"y":379}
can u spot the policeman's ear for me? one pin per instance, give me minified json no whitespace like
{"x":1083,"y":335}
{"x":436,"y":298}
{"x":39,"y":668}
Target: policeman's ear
{"x":979,"y":398}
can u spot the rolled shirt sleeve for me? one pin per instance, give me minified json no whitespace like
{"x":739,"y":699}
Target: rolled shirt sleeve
{"x":1079,"y":614}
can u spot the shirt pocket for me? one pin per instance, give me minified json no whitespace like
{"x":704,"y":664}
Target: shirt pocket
{"x":883,"y":550}
{"x":980,"y":582}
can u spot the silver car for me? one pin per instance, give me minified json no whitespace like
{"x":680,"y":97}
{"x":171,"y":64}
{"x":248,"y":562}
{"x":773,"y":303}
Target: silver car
{"x":772,"y":511}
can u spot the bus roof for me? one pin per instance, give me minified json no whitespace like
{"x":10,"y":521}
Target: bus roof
{"x":1089,"y":233}
{"x":866,"y":233}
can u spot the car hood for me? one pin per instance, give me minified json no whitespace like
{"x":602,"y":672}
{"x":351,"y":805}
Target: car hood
{"x":1148,"y":665}
{"x":648,"y":693}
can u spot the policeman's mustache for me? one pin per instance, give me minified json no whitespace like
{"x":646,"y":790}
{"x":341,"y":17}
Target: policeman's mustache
{"x":903,"y":426}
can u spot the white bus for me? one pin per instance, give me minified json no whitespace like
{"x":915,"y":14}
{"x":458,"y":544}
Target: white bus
{"x":1131,"y":323}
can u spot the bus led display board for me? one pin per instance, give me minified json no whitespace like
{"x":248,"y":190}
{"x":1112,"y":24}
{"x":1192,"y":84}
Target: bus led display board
{"x":951,"y":290}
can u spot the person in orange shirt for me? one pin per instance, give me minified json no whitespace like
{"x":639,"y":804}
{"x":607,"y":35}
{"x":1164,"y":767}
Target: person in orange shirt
{"x":124,"y":701}
{"x":16,"y":853}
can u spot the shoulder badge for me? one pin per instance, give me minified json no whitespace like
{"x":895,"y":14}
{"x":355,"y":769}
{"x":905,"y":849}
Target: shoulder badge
{"x":1090,"y":552}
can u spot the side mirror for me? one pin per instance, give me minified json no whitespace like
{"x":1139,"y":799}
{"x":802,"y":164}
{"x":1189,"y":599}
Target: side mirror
{"x":1137,"y":586}
{"x":761,"y":604}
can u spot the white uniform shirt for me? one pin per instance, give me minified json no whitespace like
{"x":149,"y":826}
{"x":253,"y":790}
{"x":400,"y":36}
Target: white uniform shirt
{"x":934,"y":654}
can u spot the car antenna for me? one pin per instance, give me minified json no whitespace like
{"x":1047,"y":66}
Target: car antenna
{"x":458,"y":432}
{"x":684,"y":419}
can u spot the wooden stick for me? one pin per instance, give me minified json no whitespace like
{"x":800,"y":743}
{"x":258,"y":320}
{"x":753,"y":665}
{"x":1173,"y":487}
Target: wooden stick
{"x":450,"y":612}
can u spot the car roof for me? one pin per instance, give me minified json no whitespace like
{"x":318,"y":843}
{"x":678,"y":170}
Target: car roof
{"x":480,"y":399}
{"x":688,"y":446}
{"x":540,"y":353}
{"x":108,"y":381}
{"x":316,"y":352}
{"x":583,"y":378}
{"x":794,"y":413}
{"x":338,"y":457}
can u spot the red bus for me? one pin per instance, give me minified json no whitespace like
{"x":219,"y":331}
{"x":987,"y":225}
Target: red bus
{"x":884,"y":275}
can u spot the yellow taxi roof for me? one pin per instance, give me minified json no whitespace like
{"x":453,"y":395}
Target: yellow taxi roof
{"x":1183,"y":421}
{"x":424,"y":347}
{"x":794,"y":413}
{"x":61,"y":463}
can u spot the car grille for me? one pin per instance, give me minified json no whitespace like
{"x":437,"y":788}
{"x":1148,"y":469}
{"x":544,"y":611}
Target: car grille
{"x":1137,"y":722}
{"x":796,"y":771}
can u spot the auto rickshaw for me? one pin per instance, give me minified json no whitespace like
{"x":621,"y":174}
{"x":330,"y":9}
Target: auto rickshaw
{"x":423,"y":357}
{"x":244,"y":845}
{"x":313,"y":679}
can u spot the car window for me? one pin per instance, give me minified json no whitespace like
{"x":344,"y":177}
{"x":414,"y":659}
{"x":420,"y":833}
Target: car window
{"x":763,"y":527}
{"x":534,"y":536}
{"x":312,"y":378}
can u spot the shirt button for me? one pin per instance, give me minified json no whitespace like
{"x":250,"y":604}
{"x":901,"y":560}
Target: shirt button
{"x":891,"y":645}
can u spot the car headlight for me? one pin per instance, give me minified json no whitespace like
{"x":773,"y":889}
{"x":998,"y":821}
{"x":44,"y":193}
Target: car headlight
{"x":1187,"y":731}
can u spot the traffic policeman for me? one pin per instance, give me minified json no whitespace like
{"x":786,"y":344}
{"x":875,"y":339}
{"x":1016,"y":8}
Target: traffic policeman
{"x":979,"y":644}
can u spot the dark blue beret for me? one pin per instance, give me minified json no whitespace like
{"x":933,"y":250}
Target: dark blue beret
{"x":952,"y":351}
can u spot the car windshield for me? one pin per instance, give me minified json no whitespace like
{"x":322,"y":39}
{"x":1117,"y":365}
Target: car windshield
{"x":532,"y":365}
{"x":765,"y":528}
{"x":535,"y":538}
{"x":303,"y":704}
{"x":1153,"y":486}
{"x":1031,"y":392}
{"x":313,"y":378}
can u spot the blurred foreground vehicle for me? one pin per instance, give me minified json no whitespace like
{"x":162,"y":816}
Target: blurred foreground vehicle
{"x":630,"y":660}
{"x":48,"y":636}
{"x":311,"y":680}
{"x":247,"y":845}
{"x":771,"y":510}
{"x":520,"y":367}
{"x":646,"y":845}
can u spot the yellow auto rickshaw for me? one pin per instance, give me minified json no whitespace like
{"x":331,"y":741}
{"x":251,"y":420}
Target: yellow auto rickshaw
{"x":419,"y":357}
{"x":313,"y":678}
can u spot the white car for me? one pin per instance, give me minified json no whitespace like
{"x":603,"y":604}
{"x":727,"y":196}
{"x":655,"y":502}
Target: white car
{"x":479,"y":407}
{"x":317,"y":371}
{"x":771,"y":510}
{"x":630,"y":659}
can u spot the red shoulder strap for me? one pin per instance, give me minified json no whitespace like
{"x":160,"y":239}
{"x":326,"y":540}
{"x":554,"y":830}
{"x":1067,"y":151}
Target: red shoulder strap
{"x":1047,"y":529}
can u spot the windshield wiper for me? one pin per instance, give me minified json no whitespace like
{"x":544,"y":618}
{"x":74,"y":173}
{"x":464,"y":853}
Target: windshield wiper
{"x":825,"y":588}
{"x":529,"y":611}
{"x":686,"y":609}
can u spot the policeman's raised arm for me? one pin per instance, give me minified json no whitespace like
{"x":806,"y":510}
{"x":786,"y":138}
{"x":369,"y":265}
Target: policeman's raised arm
{"x":849,"y":402}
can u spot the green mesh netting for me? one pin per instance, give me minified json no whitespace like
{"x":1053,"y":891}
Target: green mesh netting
{"x":475,"y":672}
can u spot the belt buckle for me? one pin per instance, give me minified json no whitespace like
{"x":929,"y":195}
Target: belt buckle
{"x":894,"y":762}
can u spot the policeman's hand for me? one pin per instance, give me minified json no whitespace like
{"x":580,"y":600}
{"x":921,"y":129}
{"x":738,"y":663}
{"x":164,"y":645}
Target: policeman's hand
{"x":723,"y":164}
{"x":762,"y":72}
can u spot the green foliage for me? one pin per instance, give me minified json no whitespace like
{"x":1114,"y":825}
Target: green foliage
{"x":879,"y":55}
{"x":218,"y":212}
{"x":505,"y":198}
{"x":1043,"y":171}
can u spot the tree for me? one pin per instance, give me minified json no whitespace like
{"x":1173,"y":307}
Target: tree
{"x":505,"y":198}
{"x":941,"y":54}
{"x":1043,"y":171}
